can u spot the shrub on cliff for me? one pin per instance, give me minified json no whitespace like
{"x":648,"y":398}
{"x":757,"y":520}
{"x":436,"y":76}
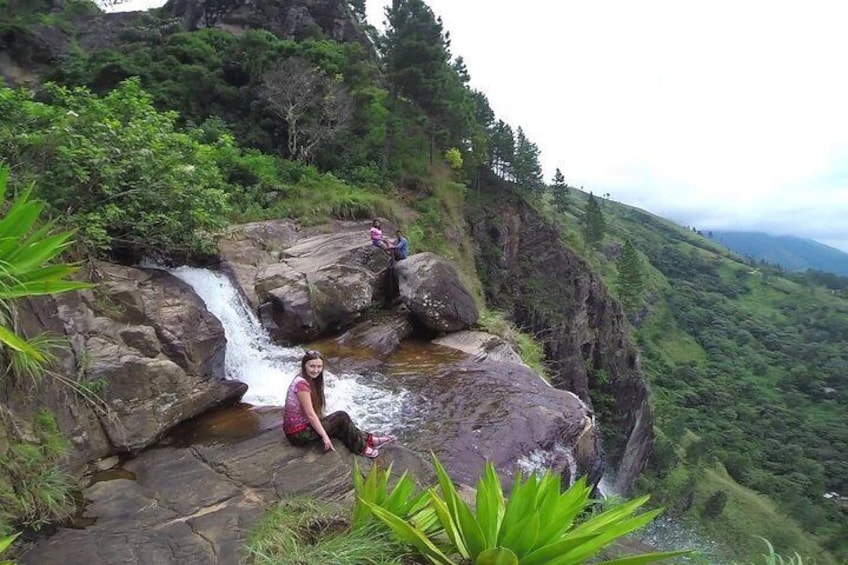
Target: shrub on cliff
{"x":115,"y":168}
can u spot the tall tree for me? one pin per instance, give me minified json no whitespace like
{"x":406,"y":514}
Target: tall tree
{"x":594,"y":223}
{"x":559,"y":192}
{"x":415,"y":53}
{"x":631,"y":283}
{"x":502,"y":149}
{"x":417,"y":60}
{"x":313,"y":106}
{"x":526,"y":167}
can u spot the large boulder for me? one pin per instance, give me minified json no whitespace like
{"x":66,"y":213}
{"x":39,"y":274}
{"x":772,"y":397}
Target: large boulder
{"x":144,"y":354}
{"x":430,"y":287}
{"x":482,"y":346}
{"x":380,"y":335}
{"x":306,"y":285}
{"x":473,"y":411}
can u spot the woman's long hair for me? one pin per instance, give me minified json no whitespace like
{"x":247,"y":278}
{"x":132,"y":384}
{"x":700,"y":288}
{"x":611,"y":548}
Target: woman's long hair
{"x":316,"y":385}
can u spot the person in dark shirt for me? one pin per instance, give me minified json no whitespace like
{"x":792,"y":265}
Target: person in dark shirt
{"x":400,"y":246}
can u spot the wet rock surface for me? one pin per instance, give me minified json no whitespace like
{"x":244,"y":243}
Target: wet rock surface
{"x":194,"y":504}
{"x":194,"y":497}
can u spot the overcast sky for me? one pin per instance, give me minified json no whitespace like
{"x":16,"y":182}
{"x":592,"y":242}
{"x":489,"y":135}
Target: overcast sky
{"x":720,"y":114}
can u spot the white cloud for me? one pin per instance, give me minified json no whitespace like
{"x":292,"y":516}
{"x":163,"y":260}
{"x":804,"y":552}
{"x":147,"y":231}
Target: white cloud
{"x":721,"y":114}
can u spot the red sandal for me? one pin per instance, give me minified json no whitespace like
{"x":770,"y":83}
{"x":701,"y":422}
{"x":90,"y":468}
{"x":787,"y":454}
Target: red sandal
{"x":380,"y":441}
{"x":370,"y":452}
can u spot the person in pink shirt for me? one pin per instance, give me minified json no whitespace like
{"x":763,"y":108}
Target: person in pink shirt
{"x":304,"y":422}
{"x":377,"y":239}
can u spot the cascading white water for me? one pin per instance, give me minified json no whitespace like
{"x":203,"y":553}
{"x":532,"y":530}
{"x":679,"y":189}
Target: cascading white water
{"x":541,"y":460}
{"x":267,"y":368}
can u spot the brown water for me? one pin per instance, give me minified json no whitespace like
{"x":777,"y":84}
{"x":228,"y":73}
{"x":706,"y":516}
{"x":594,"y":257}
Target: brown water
{"x":226,"y":426}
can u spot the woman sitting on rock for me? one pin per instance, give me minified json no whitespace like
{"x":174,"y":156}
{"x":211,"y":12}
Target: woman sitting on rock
{"x":303,"y":422}
{"x":377,"y":239}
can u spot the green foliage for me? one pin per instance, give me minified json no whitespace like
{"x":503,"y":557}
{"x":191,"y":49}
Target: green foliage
{"x":715,"y":504}
{"x":772,"y":558}
{"x":630,"y":284}
{"x":746,"y":356}
{"x":26,"y":249}
{"x":304,"y":530}
{"x":526,"y":169}
{"x":213,"y":73}
{"x":403,"y":500}
{"x":5,"y":542}
{"x":34,"y":491}
{"x":594,"y":223}
{"x":453,"y":157}
{"x":117,"y":169}
{"x":538,"y":525}
{"x":532,"y":352}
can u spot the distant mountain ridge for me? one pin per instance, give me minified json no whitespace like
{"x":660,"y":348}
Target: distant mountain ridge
{"x":790,"y":252}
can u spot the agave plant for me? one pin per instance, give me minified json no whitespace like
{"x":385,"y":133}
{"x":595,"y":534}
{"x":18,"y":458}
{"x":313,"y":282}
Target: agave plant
{"x":773,"y":558}
{"x":402,"y":500}
{"x":25,"y":251}
{"x":5,"y":542}
{"x":538,"y":525}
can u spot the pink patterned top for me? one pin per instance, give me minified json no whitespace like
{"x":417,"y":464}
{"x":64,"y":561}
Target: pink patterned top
{"x":294,"y":418}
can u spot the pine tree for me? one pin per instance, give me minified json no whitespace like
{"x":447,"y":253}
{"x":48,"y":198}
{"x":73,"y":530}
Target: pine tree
{"x":594,"y":224}
{"x":559,"y":193}
{"x":559,"y":178}
{"x":525,"y":166}
{"x":630,"y":279}
{"x":502,"y":150}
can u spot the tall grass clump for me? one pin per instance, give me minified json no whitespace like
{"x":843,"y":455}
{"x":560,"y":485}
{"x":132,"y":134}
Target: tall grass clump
{"x":34,"y":490}
{"x":304,"y":530}
{"x":531,"y":351}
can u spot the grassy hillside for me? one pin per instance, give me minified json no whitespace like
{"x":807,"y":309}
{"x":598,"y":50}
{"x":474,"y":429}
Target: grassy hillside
{"x":750,"y":380}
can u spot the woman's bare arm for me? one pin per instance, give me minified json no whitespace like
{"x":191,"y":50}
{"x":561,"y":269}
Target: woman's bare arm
{"x":305,"y":400}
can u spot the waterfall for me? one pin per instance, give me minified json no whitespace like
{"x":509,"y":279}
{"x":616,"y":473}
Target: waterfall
{"x":267,"y":368}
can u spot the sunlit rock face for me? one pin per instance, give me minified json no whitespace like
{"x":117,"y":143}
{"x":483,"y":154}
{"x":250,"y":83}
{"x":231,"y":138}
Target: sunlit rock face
{"x":529,"y":272}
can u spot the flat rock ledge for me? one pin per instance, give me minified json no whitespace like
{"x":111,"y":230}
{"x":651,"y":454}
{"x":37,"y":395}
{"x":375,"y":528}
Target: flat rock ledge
{"x":195,"y":505}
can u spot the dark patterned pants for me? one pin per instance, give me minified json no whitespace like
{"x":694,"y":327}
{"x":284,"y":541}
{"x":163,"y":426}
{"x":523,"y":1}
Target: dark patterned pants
{"x":338,"y":425}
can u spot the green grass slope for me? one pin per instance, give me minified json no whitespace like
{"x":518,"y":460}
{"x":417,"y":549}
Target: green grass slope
{"x":749,"y":372}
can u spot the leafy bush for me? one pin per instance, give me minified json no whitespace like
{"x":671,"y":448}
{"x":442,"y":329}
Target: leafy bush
{"x":33,"y":490}
{"x":116,"y":168}
{"x":25,"y":250}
